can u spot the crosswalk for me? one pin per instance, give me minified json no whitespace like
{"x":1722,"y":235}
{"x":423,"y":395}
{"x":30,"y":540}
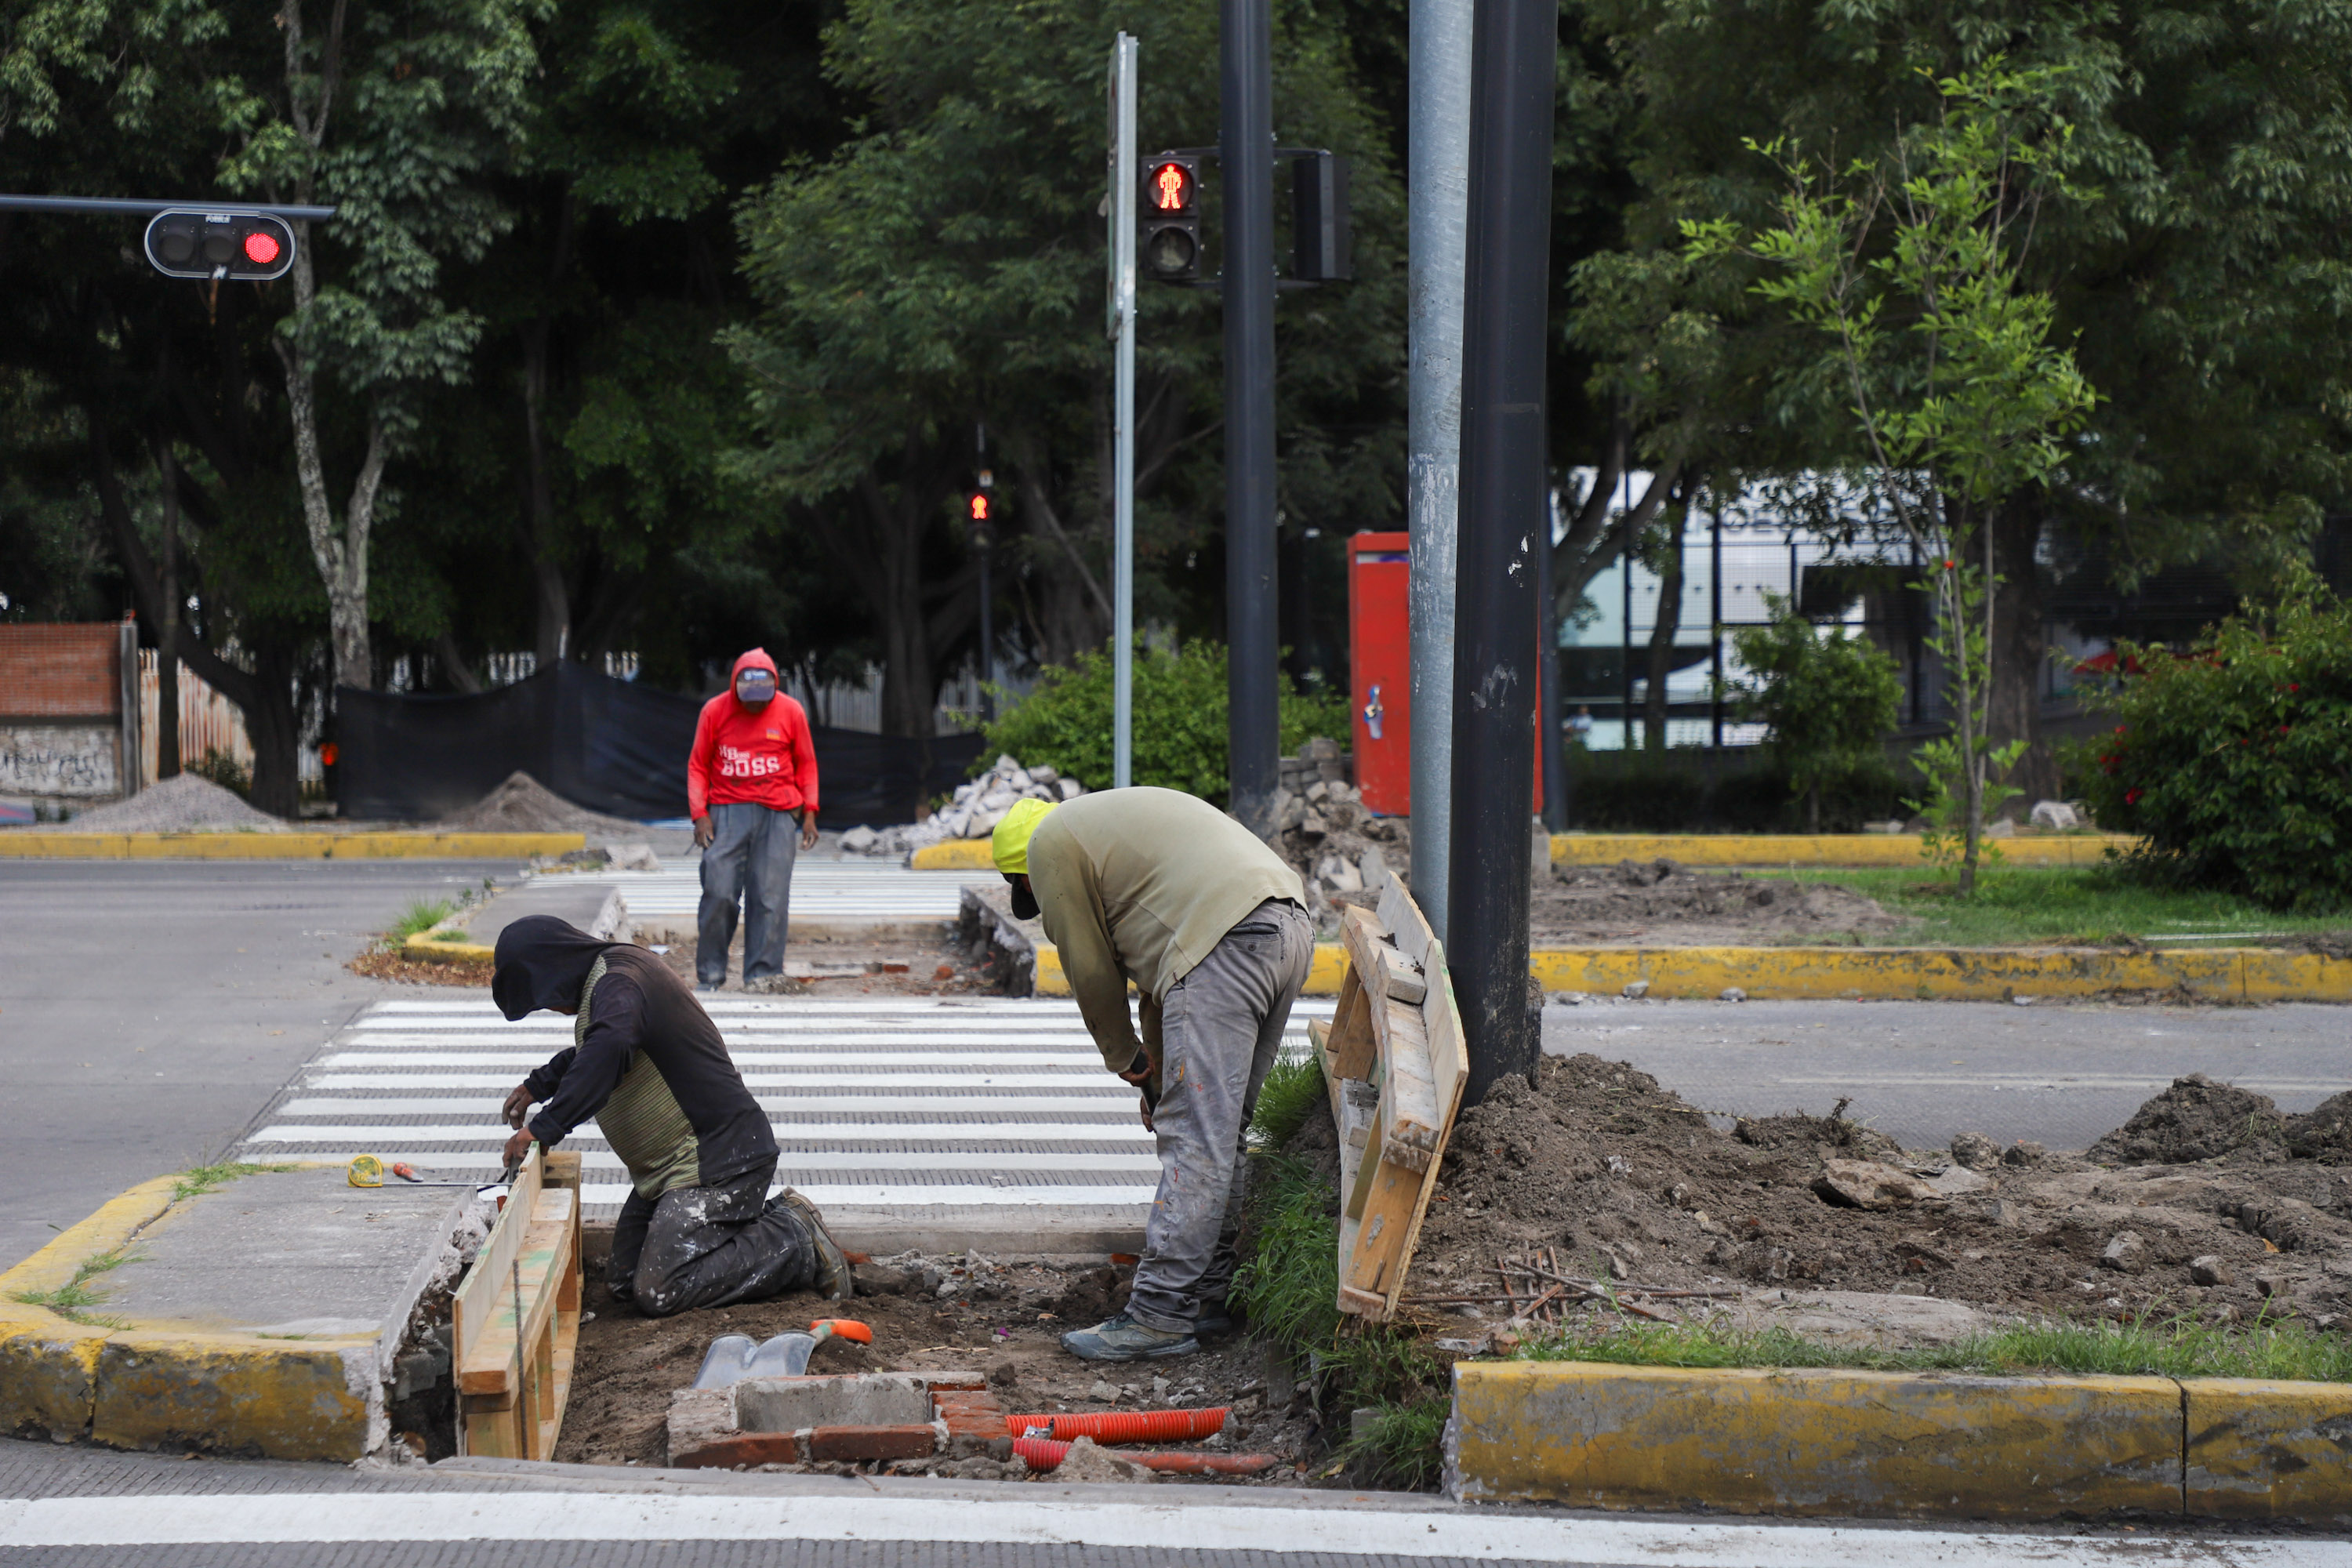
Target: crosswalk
{"x":825,"y":893}
{"x":889,"y":1109}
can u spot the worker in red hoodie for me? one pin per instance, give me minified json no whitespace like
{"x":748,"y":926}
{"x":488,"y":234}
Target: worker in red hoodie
{"x":751,"y":787}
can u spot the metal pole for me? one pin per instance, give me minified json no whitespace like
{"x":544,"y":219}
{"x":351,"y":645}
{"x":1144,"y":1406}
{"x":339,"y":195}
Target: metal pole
{"x":113,"y":205}
{"x":1506,"y":511}
{"x":1715,"y":616}
{"x":1125,"y":172}
{"x":1245,"y":50}
{"x":1625,"y":631}
{"x":1548,"y":692}
{"x":1437,"y":177}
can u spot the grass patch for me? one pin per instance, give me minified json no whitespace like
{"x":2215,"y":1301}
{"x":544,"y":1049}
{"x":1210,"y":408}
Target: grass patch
{"x":73,"y":1299}
{"x":2071,"y":904}
{"x":452,"y":936}
{"x":1291,"y":1092}
{"x":421,"y":916}
{"x":203,"y":1179}
{"x":2180,"y":1346}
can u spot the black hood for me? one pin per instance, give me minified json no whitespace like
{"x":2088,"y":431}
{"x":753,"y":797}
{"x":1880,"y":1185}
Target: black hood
{"x":542,"y":962}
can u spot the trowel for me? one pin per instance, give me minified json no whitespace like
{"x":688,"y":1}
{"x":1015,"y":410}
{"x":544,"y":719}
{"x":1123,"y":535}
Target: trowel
{"x":734,"y":1357}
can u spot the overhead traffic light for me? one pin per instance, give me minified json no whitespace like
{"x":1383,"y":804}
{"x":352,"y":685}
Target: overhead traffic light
{"x":242,"y":245}
{"x":1169,"y":248}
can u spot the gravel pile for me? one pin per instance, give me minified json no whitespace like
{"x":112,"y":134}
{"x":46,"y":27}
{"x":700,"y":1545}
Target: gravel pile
{"x":177,"y":806}
{"x":523,"y":804}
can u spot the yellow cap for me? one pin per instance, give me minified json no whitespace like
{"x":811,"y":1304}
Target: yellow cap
{"x":1010,"y":842}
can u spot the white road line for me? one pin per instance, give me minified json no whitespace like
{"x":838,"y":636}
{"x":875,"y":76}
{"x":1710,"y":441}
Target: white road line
{"x":1068,"y":1083}
{"x":1129,"y":1205}
{"x":212,"y":1519}
{"x":782,"y":1109}
{"x":845,"y":1069}
{"x":833,"y":1133}
{"x":979,"y":1162}
{"x":874,"y":1045}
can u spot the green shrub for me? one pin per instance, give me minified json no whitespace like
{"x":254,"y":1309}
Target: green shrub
{"x":2233,"y":760}
{"x":1827,"y":700}
{"x":223,"y":770}
{"x":1180,"y":721}
{"x":1645,"y":794}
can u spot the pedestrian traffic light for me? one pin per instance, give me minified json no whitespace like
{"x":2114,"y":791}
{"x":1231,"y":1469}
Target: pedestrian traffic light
{"x":245,"y":246}
{"x":1170,"y":245}
{"x":1319,"y":219}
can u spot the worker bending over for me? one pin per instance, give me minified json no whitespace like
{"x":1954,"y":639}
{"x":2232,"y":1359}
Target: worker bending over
{"x":698,"y":1228}
{"x":751,"y":787}
{"x":1159,"y":888}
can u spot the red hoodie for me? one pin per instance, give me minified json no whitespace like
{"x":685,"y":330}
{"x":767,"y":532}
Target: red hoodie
{"x":763,"y":754}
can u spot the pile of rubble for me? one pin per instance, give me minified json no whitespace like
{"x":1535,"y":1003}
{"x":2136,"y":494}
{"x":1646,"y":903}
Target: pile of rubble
{"x":1323,"y":830}
{"x":975,"y":811}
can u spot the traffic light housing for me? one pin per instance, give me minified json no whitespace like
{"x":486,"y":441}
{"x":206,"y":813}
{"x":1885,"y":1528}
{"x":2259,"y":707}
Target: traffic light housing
{"x":214,"y":243}
{"x":1319,"y":219}
{"x":1168,"y":250}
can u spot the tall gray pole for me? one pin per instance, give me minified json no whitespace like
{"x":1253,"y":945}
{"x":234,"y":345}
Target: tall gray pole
{"x":1125,"y":172}
{"x":1437,"y":179}
{"x":1505,"y":519}
{"x":1246,"y":53}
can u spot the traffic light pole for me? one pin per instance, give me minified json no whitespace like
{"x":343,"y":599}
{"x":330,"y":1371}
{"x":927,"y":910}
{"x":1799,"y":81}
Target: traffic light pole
{"x":1125,"y":171}
{"x":1439,"y":178}
{"x":1505,"y":518}
{"x":1245,"y":44}
{"x":148,"y":209}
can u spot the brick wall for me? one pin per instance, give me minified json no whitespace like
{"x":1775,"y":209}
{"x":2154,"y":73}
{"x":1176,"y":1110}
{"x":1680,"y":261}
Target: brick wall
{"x":59,"y":669}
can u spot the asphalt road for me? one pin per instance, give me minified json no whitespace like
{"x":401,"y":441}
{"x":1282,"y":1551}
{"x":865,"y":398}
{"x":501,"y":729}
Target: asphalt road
{"x":2057,"y":1073}
{"x":149,"y":1009}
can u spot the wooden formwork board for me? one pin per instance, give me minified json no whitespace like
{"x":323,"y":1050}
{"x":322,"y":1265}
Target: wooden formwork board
{"x":517,"y":1317}
{"x":1393,"y":1064}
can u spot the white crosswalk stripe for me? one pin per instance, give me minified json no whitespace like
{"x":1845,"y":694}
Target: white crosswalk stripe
{"x":882,"y":1107}
{"x":825,"y":892}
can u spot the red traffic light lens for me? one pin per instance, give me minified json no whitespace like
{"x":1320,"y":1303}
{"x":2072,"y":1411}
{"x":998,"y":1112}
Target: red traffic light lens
{"x":980,"y":509}
{"x":1171,"y":187}
{"x":260,"y":248}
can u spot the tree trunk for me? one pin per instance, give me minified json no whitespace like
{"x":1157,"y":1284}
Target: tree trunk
{"x":167,"y":645}
{"x":1667,"y":626}
{"x":2020,"y":651}
{"x":554,"y":606}
{"x":276,"y":731}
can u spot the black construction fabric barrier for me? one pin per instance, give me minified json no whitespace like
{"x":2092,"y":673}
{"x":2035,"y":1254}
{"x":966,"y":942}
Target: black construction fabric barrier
{"x":605,"y":745}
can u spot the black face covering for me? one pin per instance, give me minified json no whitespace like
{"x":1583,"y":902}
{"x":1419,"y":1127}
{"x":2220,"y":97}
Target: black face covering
{"x":542,"y":962}
{"x":1024,"y":900}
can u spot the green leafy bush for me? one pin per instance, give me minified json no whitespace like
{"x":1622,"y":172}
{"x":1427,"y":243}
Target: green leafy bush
{"x":1827,"y":700}
{"x":2234,"y":759}
{"x":1180,"y":721}
{"x":1642,"y":793}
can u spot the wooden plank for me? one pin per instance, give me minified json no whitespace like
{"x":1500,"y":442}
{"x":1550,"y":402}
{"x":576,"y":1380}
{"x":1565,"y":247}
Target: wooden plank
{"x":547,"y":1262}
{"x":1406,"y":927}
{"x":1382,"y":970}
{"x":476,"y":1303}
{"x":1409,"y":1123}
{"x":1353,"y":1050}
{"x":1378,"y":1267}
{"x":1440,"y":1020}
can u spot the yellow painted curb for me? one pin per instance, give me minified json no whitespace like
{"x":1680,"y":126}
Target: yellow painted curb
{"x":1815,"y":1441}
{"x":2269,"y":1450}
{"x":48,"y":1364}
{"x":954,"y":855}
{"x":422,"y":949}
{"x":22,"y":845}
{"x":1854,"y":849}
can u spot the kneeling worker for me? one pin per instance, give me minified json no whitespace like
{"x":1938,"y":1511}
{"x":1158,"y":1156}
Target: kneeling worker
{"x":1159,"y":887}
{"x":698,"y":1228}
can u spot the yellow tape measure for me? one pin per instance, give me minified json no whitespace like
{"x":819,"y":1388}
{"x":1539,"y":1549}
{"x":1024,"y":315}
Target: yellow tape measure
{"x":367,"y":1171}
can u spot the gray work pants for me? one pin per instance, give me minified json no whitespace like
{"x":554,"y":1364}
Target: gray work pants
{"x":750,"y":859}
{"x":1220,"y":1028}
{"x":709,"y":1246}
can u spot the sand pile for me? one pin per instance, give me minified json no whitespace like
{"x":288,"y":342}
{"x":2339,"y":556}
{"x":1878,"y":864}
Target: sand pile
{"x":180,"y":805}
{"x":523,"y":804}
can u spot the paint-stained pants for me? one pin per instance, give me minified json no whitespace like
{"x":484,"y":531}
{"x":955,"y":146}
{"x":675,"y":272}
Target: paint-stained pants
{"x":750,"y":860}
{"x":1220,"y":1028}
{"x":709,"y":1246}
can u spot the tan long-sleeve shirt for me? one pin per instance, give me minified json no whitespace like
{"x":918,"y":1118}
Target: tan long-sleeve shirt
{"x":1140,"y":884}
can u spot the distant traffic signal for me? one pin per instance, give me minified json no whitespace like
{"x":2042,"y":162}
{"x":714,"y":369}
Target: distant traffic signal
{"x":1169,"y":248}
{"x":242,"y":245}
{"x":1319,"y":219}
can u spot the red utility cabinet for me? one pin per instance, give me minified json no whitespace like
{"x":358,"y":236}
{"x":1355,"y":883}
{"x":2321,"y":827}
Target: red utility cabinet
{"x":1379,"y":660}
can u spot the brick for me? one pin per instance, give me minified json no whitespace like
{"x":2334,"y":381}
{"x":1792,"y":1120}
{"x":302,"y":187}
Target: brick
{"x":738,"y":1448}
{"x":60,"y":669}
{"x":843,"y":1443}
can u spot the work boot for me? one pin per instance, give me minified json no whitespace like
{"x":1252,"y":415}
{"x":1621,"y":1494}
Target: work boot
{"x":1213,"y":1323}
{"x":833,"y":1277}
{"x":1121,"y":1338}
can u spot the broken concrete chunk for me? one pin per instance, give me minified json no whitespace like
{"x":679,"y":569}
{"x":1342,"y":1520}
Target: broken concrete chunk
{"x":1636,"y":989}
{"x":1733,"y":994}
{"x":1867,"y":1185}
{"x":1954,"y":1181}
{"x":1975,"y":1150}
{"x":2210,"y":1270}
{"x":2124,"y":1253}
{"x":2023,"y":1154}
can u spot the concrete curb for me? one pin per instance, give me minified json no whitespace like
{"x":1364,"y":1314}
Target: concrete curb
{"x":21,"y":844}
{"x":1819,"y":1441}
{"x":132,"y":1386}
{"x":1768,"y":851}
{"x":954,"y":855}
{"x":1888,"y":974}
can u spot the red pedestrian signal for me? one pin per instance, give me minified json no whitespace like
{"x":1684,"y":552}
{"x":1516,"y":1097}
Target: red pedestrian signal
{"x":1169,"y":246}
{"x":979,"y":506}
{"x":242,"y":247}
{"x":1171,"y":188}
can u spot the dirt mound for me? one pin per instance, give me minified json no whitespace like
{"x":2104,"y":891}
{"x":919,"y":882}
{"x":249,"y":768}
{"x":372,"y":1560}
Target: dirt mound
{"x":2325,"y":1134}
{"x":523,"y":804}
{"x":177,"y":806}
{"x":1663,"y":901}
{"x":2197,"y":1119}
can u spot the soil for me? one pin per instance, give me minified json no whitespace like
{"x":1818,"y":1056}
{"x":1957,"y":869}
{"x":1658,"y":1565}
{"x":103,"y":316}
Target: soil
{"x":997,"y":1317}
{"x":1662,"y":903}
{"x":523,"y":804}
{"x":1627,"y":1183}
{"x":176,"y":805}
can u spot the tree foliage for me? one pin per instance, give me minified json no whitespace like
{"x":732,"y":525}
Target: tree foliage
{"x":1827,"y":697}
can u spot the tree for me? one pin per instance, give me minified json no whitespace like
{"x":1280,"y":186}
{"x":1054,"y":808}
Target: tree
{"x":1908,"y":265}
{"x":1828,"y":698}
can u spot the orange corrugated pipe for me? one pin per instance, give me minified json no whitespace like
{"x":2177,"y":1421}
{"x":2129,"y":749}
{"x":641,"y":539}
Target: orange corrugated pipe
{"x":1045,"y":1454}
{"x":1124,"y":1425}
